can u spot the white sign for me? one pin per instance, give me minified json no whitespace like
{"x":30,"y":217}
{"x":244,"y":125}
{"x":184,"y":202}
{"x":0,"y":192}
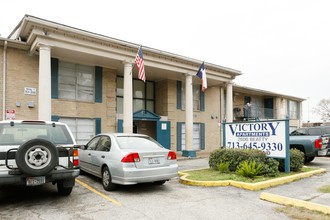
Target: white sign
{"x":164,"y":126}
{"x":30,"y":91}
{"x":269,"y":137}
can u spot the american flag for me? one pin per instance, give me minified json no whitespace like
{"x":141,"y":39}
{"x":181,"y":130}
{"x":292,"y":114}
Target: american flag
{"x":140,"y":64}
{"x":202,"y":75}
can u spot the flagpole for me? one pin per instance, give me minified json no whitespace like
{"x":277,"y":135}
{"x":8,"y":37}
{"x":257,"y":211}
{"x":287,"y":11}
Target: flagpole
{"x":134,"y":62}
{"x":140,"y":64}
{"x":131,"y":73}
{"x":202,"y":75}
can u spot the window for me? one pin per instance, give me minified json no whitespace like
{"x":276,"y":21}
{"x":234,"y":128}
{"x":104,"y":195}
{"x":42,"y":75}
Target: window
{"x":82,"y":129}
{"x":76,"y":82}
{"x":137,"y":142}
{"x":300,"y":131}
{"x":198,"y":97}
{"x":143,"y":95}
{"x":293,"y":109}
{"x":92,"y":145}
{"x":104,"y":144}
{"x":19,"y":133}
{"x":315,"y":131}
{"x":198,"y":136}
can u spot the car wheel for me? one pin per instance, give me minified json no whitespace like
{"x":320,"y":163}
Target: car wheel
{"x":309,"y":159}
{"x":62,"y":190}
{"x":160,"y":182}
{"x":107,"y":180}
{"x":36,"y":157}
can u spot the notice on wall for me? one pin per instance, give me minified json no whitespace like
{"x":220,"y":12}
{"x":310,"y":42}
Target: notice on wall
{"x":164,"y":126}
{"x":268,"y":136}
{"x":10,"y":114}
{"x":30,"y":91}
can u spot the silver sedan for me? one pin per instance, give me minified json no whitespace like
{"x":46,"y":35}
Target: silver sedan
{"x":127,"y":159}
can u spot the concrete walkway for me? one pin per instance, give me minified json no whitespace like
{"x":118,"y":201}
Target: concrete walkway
{"x":300,"y":190}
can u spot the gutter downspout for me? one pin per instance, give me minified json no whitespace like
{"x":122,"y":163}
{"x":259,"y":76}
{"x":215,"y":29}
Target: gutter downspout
{"x":4,"y":73}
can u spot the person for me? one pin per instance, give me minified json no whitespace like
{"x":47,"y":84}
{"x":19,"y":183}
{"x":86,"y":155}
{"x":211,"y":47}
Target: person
{"x":247,"y":110}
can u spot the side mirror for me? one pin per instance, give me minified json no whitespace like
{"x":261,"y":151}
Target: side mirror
{"x":83,"y":147}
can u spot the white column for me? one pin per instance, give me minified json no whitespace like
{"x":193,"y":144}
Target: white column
{"x":279,"y":108}
{"x":44,"y":99}
{"x":222,"y":104}
{"x":229,"y":102}
{"x":128,"y":98}
{"x":189,"y":113}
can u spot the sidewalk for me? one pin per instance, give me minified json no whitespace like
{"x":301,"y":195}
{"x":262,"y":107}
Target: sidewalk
{"x":300,"y":193}
{"x":199,"y":155}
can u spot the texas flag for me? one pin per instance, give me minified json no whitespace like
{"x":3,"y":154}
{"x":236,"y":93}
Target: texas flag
{"x":202,"y":75}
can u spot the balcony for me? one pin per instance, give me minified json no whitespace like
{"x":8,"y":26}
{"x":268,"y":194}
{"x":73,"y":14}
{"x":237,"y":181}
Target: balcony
{"x":252,"y":114}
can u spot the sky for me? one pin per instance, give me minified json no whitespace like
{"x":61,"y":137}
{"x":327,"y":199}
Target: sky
{"x":282,"y":46}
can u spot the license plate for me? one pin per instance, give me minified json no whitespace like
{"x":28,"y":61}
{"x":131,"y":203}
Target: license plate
{"x":36,"y":180}
{"x":323,"y":152}
{"x":154,"y":161}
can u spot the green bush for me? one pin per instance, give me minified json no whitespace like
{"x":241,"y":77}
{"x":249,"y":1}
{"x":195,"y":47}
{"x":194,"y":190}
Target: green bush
{"x":250,"y":168}
{"x":215,"y":158}
{"x":271,"y":167}
{"x":296,"y":160}
{"x":223,"y":167}
{"x":235,"y":157}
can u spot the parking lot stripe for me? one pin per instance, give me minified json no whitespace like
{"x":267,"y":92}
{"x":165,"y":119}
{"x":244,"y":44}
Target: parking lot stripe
{"x":98,"y":193}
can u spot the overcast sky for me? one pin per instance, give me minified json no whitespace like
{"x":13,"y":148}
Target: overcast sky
{"x":281,"y":46}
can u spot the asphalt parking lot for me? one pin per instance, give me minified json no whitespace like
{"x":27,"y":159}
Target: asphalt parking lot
{"x":147,"y":201}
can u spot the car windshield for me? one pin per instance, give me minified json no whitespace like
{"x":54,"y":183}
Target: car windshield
{"x":137,"y":142}
{"x":298,"y":132}
{"x":17,"y":134}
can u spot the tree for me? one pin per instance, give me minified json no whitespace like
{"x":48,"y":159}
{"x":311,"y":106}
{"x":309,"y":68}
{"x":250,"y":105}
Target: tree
{"x":323,"y":109}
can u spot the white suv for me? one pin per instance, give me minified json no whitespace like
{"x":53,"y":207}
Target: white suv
{"x":36,"y":152}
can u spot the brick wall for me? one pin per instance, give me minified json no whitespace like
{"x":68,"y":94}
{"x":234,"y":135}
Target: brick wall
{"x":22,"y":71}
{"x":167,"y":91}
{"x":105,"y":110}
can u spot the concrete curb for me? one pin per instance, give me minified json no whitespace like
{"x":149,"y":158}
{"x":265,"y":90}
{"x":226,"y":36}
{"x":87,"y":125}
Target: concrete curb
{"x":249,"y":186}
{"x":263,"y":185}
{"x":295,"y":202}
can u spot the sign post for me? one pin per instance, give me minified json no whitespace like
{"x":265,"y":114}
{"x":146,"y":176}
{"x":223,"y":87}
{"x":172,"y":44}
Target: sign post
{"x":287,"y":158}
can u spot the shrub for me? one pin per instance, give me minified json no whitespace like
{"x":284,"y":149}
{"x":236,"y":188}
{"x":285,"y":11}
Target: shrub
{"x":250,"y":168}
{"x":235,"y":157}
{"x":296,"y":160}
{"x":223,"y":167}
{"x":215,"y":158}
{"x":271,"y":167}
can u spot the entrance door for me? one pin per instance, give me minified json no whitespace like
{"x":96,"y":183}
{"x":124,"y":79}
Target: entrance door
{"x":164,"y":133}
{"x":146,"y":122}
{"x":145,"y":127}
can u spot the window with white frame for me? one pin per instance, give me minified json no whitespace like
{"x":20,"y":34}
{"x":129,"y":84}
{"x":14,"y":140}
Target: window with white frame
{"x":76,"y":82}
{"x":81,"y":128}
{"x":196,"y":97}
{"x":293,"y":109}
{"x":196,"y":136}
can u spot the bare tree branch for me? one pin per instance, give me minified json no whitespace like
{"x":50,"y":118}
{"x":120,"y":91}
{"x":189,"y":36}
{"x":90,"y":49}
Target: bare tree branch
{"x":323,"y":109}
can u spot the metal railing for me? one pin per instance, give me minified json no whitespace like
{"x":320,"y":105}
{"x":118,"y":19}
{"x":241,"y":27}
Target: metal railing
{"x":257,"y":113}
